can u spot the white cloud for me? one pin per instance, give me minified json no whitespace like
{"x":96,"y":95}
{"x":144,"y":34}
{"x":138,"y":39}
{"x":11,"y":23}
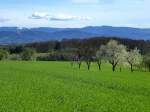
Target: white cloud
{"x":2,"y":20}
{"x":56,"y":17}
{"x":39,"y":15}
{"x":64,"y":17}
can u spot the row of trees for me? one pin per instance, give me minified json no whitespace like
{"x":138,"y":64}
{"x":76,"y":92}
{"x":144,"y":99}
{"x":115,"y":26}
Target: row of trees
{"x":115,"y":54}
{"x":115,"y":51}
{"x":68,"y":45}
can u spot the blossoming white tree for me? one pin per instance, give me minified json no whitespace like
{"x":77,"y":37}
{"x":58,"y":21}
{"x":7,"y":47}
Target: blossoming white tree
{"x":115,"y":53}
{"x":134,"y":58}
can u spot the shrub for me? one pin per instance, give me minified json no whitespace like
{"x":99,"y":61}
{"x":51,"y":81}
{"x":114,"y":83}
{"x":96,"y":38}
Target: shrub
{"x":28,"y":54}
{"x":55,"y":56}
{"x":14,"y":57}
{"x":146,"y":61}
{"x":3,"y":54}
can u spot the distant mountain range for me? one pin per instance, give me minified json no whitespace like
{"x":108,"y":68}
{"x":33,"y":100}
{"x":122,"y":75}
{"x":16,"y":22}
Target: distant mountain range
{"x":15,"y":35}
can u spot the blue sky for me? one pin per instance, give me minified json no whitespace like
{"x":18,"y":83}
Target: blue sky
{"x":74,"y":13}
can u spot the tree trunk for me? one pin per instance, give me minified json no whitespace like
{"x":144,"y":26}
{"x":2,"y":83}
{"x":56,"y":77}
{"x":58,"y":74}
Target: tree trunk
{"x":149,"y":68}
{"x":114,"y":64}
{"x":79,"y":65}
{"x":88,"y":67}
{"x":88,"y":64}
{"x":114,"y":68}
{"x":131,"y":68}
{"x":99,"y":65}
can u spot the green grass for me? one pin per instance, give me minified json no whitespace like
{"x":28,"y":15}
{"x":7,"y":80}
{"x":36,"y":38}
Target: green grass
{"x":57,"y":87}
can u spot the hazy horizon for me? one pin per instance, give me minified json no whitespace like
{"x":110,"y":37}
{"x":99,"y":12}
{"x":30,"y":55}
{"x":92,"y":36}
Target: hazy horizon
{"x":75,"y":13}
{"x":21,"y":27}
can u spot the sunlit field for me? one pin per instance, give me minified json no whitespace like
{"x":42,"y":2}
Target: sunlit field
{"x":59,"y":87}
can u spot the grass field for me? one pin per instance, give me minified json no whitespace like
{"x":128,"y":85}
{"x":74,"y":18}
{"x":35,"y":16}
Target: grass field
{"x":57,"y":87}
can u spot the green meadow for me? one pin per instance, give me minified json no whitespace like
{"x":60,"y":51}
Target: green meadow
{"x":58,"y":87}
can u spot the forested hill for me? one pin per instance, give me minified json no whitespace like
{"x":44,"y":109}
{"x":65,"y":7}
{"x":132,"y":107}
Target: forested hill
{"x":15,"y":35}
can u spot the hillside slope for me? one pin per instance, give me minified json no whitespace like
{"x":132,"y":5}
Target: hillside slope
{"x":14,"y":35}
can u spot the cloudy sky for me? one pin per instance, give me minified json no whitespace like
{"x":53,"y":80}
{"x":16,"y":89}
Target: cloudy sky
{"x":74,"y":13}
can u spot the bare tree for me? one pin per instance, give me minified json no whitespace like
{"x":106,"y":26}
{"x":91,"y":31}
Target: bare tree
{"x":100,"y":55}
{"x":78,"y":58}
{"x":79,"y":61}
{"x":134,"y":58}
{"x":88,"y":56}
